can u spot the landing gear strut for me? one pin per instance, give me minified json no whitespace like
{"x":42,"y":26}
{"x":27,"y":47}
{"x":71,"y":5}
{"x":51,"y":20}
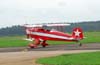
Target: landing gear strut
{"x":44,"y":44}
{"x":80,"y":44}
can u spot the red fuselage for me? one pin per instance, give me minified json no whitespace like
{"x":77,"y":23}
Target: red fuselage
{"x":42,"y":34}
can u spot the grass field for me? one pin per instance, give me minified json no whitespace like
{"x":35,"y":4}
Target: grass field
{"x":92,"y":58}
{"x":15,"y":41}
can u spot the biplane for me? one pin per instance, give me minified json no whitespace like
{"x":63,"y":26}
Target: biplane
{"x":40,"y":33}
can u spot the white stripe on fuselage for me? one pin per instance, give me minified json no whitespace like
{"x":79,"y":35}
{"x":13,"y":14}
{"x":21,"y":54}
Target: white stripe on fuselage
{"x":51,"y":35}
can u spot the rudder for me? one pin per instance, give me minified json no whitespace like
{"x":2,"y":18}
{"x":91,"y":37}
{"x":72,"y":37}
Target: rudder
{"x":77,"y":33}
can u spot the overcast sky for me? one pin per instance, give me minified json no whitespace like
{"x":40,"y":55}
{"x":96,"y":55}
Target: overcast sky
{"x":14,"y":12}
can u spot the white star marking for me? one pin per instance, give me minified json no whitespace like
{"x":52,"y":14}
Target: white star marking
{"x":77,"y":33}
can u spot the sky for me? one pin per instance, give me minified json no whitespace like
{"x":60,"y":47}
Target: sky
{"x":19,"y":12}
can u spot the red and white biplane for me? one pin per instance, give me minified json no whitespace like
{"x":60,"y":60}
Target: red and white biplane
{"x":40,"y":33}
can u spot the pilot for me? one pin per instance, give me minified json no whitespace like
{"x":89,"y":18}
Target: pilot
{"x":46,"y":28}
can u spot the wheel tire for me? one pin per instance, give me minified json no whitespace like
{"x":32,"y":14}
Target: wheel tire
{"x":43,"y":46}
{"x":80,"y":44}
{"x":31,"y":46}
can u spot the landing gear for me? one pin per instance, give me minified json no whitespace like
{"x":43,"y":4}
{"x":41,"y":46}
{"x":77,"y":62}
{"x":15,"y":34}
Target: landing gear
{"x":31,"y":45}
{"x":80,"y":44}
{"x":35,"y":44}
{"x":44,"y":44}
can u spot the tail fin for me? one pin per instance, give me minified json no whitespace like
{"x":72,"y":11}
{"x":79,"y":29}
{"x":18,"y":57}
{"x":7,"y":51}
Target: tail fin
{"x":77,"y":33}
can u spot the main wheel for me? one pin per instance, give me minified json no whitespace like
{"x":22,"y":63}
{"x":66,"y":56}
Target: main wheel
{"x":32,"y":45}
{"x":44,"y":45}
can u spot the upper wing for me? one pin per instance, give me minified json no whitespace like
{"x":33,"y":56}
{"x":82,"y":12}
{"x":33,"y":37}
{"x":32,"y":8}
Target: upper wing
{"x":46,"y":24}
{"x":58,"y":26}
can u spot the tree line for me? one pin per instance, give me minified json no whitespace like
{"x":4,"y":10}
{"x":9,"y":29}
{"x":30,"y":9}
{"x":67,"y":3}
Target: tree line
{"x":14,"y":30}
{"x":86,"y":26}
{"x":19,"y":30}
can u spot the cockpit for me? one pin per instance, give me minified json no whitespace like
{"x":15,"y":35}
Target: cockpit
{"x":46,"y":27}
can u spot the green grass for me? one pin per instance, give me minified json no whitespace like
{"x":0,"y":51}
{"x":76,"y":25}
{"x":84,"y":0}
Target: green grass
{"x":91,"y":37}
{"x":92,"y":58}
{"x":15,"y":41}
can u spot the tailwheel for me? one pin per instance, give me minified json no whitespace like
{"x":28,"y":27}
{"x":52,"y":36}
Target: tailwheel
{"x":80,"y":44}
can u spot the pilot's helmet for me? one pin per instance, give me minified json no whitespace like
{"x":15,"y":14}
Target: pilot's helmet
{"x":46,"y":27}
